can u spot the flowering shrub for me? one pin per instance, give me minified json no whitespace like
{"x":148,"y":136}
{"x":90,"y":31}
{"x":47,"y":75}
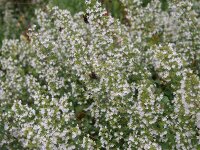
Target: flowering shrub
{"x":93,"y":82}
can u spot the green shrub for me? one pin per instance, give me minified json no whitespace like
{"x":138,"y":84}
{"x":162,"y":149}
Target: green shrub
{"x":89,"y":81}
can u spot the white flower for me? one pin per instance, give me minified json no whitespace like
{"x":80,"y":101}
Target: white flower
{"x":198,"y":120}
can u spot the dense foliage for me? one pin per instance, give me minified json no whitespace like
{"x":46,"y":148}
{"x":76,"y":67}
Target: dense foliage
{"x":90,"y":81}
{"x":16,"y":16}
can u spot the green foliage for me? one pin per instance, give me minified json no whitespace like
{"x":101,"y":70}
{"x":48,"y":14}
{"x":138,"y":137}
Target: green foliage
{"x":16,"y":16}
{"x":103,"y":80}
{"x":22,"y":13}
{"x":73,"y":6}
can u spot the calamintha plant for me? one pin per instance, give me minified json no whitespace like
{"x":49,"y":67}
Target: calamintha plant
{"x":88,"y":81}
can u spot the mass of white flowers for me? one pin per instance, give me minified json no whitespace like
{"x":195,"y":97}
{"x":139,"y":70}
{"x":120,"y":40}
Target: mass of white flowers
{"x":89,"y":81}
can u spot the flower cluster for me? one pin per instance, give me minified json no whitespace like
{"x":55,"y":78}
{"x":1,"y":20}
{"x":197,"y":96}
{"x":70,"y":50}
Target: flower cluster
{"x":89,"y":81}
